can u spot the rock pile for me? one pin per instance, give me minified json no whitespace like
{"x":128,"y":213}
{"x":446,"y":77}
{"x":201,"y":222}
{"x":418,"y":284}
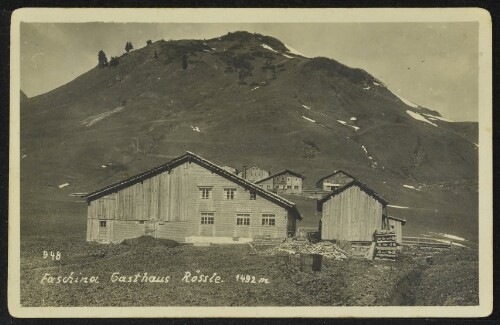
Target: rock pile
{"x":324,"y":248}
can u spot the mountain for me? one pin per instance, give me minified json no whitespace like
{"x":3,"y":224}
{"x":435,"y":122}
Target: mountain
{"x":245,"y":99}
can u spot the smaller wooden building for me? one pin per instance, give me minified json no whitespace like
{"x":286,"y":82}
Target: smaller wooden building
{"x":351,"y":213}
{"x":334,"y":181}
{"x":395,"y":224}
{"x":253,"y":173}
{"x":286,"y":181}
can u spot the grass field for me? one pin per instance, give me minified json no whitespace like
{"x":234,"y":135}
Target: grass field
{"x":452,"y":279}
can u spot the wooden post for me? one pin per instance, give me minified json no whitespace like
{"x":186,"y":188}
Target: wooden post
{"x":418,"y":241}
{"x":451,"y":244}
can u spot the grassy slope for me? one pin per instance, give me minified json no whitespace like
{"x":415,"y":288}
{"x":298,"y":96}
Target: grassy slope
{"x":351,"y":282}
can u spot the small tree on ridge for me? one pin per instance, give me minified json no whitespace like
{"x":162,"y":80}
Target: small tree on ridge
{"x":102,"y":59}
{"x":128,"y":46}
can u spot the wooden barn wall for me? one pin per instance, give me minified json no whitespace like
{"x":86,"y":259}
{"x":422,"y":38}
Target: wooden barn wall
{"x":175,"y":199}
{"x":398,"y":228}
{"x":351,"y":215}
{"x":126,"y":229}
{"x":226,"y":210}
{"x":175,"y":230}
{"x":94,"y":232}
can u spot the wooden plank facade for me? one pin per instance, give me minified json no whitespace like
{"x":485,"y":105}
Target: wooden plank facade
{"x":286,"y":181}
{"x":334,"y":181}
{"x":190,"y":197}
{"x":396,"y":224}
{"x":351,"y":213}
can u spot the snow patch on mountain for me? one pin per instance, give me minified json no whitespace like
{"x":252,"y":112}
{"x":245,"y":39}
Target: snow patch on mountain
{"x":419,"y":117}
{"x":346,"y":124}
{"x":96,"y":118}
{"x":353,"y":119}
{"x":451,"y":236}
{"x":397,"y":206}
{"x":440,"y":118}
{"x":267,"y":47}
{"x":406,"y":101}
{"x":255,"y":88}
{"x":305,"y":106}
{"x":447,"y":241}
{"x":195,"y":128}
{"x":294,"y":51}
{"x":410,"y":186}
{"x":287,"y":56}
{"x":307,"y":118}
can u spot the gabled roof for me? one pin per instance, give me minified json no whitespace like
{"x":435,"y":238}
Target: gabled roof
{"x":403,"y":221}
{"x":357,"y":183}
{"x":253,"y":166}
{"x":286,"y":171}
{"x":319,"y":183}
{"x":191,"y":157}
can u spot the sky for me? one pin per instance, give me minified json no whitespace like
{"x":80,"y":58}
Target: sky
{"x":434,"y":65}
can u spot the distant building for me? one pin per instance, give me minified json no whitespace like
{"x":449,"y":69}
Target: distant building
{"x":230,"y":169}
{"x":334,"y":181}
{"x":253,"y":173}
{"x":188,"y":199}
{"x":352,"y":213}
{"x":286,"y":181}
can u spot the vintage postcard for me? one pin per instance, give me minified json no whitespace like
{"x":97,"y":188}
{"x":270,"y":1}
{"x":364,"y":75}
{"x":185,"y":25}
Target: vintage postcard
{"x":250,"y":163}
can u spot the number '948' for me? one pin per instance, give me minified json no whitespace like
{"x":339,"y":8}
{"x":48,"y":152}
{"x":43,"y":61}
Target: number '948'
{"x":55,"y":256}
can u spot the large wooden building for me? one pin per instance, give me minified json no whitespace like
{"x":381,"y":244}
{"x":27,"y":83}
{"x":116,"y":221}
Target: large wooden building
{"x":188,"y":199}
{"x":352,"y":213}
{"x":286,"y":181}
{"x":253,"y":173}
{"x":334,"y":181}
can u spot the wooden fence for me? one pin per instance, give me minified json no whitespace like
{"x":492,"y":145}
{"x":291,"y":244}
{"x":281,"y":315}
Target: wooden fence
{"x":426,"y":242}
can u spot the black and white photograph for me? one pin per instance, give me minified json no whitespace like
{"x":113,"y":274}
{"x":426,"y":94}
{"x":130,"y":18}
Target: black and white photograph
{"x":200,"y":162}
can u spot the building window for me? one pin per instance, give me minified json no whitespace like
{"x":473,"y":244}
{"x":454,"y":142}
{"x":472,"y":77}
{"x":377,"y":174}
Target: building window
{"x":229,"y":193}
{"x":102,"y":224}
{"x":207,"y":218}
{"x":206,"y":193}
{"x":296,"y":187}
{"x":243,"y":219}
{"x":253,"y":195}
{"x":289,"y":186}
{"x":268,"y":220}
